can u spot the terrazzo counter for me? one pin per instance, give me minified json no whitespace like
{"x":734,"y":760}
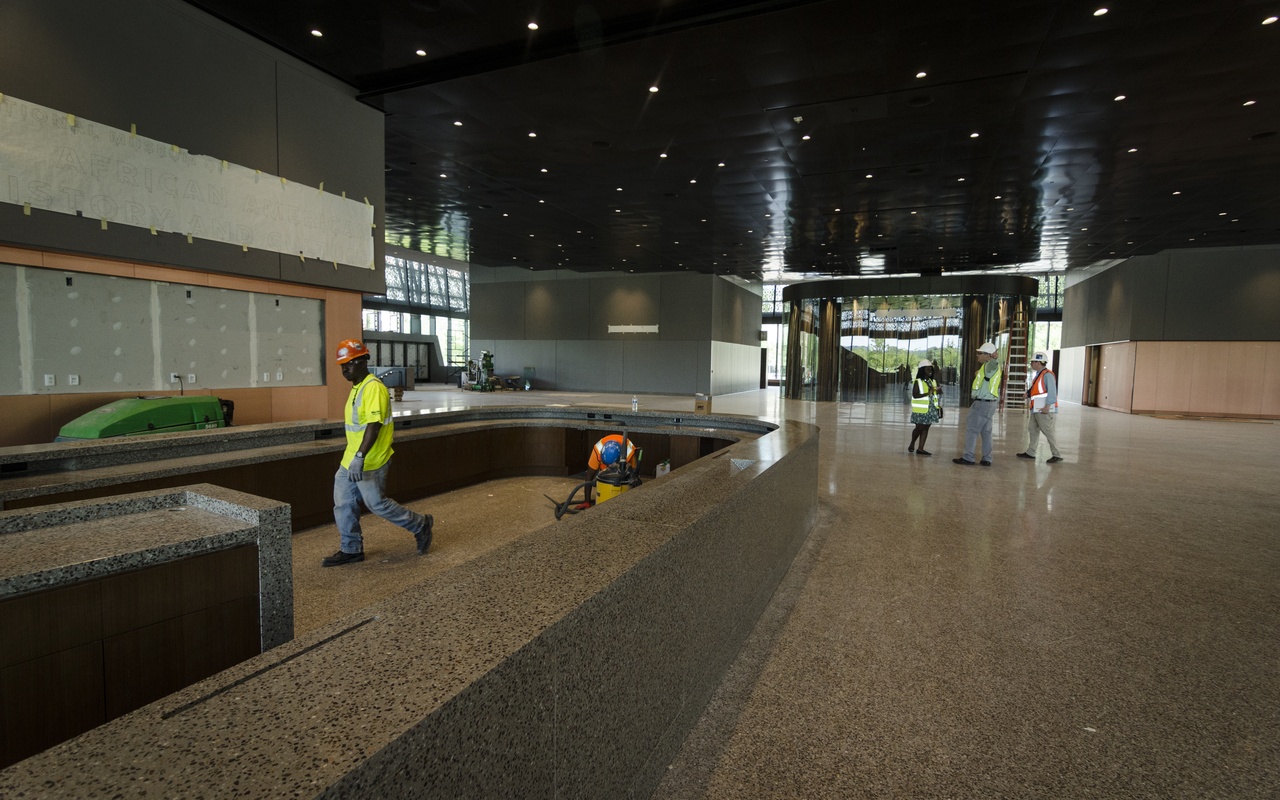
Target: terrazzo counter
{"x":61,"y":544}
{"x":569,"y":663}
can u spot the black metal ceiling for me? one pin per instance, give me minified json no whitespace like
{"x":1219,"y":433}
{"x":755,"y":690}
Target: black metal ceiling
{"x":836,"y":137}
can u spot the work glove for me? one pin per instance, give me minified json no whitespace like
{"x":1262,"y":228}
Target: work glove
{"x":355,"y":472}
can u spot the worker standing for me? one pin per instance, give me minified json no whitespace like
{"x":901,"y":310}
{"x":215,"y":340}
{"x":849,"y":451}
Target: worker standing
{"x":362,"y":473}
{"x":1042,"y":393}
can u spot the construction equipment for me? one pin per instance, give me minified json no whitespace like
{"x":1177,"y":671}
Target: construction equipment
{"x":135,"y":416}
{"x":617,"y":477}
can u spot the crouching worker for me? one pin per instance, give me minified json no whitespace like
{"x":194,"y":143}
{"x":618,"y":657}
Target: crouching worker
{"x":606,"y":453}
{"x":362,"y":474}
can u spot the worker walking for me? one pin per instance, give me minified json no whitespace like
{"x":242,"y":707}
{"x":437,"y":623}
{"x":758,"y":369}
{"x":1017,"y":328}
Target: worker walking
{"x":362,"y":474}
{"x":1042,"y":393}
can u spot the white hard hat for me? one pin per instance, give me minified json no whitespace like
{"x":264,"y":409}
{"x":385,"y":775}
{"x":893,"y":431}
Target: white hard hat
{"x":988,"y":348}
{"x":1041,"y":357}
{"x":924,"y":362}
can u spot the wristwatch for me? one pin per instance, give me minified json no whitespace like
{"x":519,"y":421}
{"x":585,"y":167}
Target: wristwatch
{"x":359,"y":454}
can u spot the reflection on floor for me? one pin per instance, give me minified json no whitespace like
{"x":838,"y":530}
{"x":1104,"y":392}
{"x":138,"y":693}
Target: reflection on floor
{"x":1104,"y":627}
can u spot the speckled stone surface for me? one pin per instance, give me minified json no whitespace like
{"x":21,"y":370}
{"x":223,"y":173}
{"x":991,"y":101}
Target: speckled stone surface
{"x":56,"y":545}
{"x":568,"y":663}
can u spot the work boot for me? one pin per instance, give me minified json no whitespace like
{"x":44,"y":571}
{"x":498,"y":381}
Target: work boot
{"x":339,"y":558}
{"x":423,"y":537}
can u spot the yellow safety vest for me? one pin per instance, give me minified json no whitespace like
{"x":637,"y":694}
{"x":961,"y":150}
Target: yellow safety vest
{"x":920,"y":405}
{"x":982,"y":376}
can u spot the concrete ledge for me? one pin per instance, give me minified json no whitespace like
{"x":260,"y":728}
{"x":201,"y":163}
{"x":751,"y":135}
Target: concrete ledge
{"x":570,"y":663}
{"x":61,"y":544}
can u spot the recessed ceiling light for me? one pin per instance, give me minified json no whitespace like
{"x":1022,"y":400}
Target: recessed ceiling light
{"x":1222,"y":213}
{"x":1119,"y":97}
{"x":1100,"y":12}
{"x":721,"y":164}
{"x":458,"y":123}
{"x":921,"y":74}
{"x":805,"y":137}
{"x":868,"y":174}
{"x":442,"y":175}
{"x":693,"y":181}
{"x":506,"y":215}
{"x":913,"y":212}
{"x":1250,"y":102}
{"x":1177,"y":192}
{"x":959,"y":180}
{"x":1133,"y":149}
{"x":997,"y":197}
{"x":533,"y":26}
{"x":316,"y":33}
{"x":653,"y":88}
{"x":662,"y":155}
{"x":1269,"y":20}
{"x":533,"y":135}
{"x":973,"y":135}
{"x":422,"y":52}
{"x":544,"y":169}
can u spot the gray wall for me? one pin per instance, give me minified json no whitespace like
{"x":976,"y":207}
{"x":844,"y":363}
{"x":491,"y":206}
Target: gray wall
{"x":1209,"y":294}
{"x":124,"y":334}
{"x":558,"y":323}
{"x":183,"y":77}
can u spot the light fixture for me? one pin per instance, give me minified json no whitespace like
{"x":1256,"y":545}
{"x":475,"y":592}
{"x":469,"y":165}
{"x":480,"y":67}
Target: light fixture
{"x":1250,"y":102}
{"x":921,"y":74}
{"x":458,"y":123}
{"x":1100,"y":12}
{"x":544,"y":169}
{"x":973,"y":135}
{"x":1119,"y":97}
{"x":1133,"y":149}
{"x":533,"y":26}
{"x":442,"y":175}
{"x":1269,"y":20}
{"x":868,"y":175}
{"x":316,"y":33}
{"x":693,"y":181}
{"x":653,"y":89}
{"x":721,"y":164}
{"x":959,"y":180}
{"x":533,"y":135}
{"x":805,"y":137}
{"x":662,"y":155}
{"x":422,"y":52}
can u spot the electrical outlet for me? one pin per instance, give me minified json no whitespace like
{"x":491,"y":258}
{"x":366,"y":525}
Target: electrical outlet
{"x":50,"y":380}
{"x":173,"y":377}
{"x":279,"y":374}
{"x":266,"y":377}
{"x":73,"y":380}
{"x":191,"y":377}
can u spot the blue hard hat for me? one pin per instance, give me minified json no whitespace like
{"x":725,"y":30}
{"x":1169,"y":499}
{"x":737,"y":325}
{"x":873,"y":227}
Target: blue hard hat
{"x":610,"y":453}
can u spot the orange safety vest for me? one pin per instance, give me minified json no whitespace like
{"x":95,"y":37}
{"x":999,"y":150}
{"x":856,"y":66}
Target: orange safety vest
{"x":1037,"y":388}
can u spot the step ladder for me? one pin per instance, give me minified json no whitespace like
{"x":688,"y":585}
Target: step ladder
{"x":1015,"y":363}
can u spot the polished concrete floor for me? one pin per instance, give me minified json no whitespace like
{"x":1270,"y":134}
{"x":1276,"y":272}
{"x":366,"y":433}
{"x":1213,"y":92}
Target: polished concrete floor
{"x":1104,"y":627}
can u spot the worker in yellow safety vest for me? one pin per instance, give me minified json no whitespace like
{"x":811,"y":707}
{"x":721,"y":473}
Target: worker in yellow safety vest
{"x":926,"y":406}
{"x":986,"y":397}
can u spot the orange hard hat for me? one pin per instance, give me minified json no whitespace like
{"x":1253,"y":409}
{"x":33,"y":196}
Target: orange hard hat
{"x":350,"y":349}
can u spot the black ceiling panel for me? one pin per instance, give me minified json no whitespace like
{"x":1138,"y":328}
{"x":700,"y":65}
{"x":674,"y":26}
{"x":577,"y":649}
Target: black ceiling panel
{"x":716,"y":173}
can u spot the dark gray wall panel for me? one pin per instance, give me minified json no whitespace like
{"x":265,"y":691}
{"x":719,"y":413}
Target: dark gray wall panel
{"x":634,"y":300}
{"x":511,"y":356}
{"x":1075,"y":314}
{"x":736,"y":314}
{"x":686,"y":307}
{"x":595,"y":366}
{"x":497,"y":311}
{"x":1148,"y":282}
{"x":1224,"y":295}
{"x":661,"y":367}
{"x":557,"y":309}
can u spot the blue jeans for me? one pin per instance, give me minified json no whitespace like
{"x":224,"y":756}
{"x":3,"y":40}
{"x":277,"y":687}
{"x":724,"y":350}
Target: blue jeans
{"x":978,"y":426}
{"x":346,"y":506}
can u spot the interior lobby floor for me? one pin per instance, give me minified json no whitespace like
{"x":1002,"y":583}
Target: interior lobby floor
{"x":1104,"y":627}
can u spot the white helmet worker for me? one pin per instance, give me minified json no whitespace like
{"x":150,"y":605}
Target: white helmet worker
{"x":924,"y":362}
{"x":988,"y":347}
{"x":1041,"y":357}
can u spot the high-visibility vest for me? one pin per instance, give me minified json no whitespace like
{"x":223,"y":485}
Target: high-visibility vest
{"x":995,"y":380}
{"x":1038,"y":392}
{"x":920,"y":405}
{"x":354,"y":425}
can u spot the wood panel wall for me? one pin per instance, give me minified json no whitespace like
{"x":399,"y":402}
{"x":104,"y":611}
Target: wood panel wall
{"x":1233,"y":379}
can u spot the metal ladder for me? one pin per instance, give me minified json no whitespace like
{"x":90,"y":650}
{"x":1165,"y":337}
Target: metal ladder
{"x":1015,"y":365}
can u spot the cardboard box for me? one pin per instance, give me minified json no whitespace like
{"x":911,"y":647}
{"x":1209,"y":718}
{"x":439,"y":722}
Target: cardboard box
{"x":702,"y":403}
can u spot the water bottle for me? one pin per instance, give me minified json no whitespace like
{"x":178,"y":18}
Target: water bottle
{"x":635,"y":403}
